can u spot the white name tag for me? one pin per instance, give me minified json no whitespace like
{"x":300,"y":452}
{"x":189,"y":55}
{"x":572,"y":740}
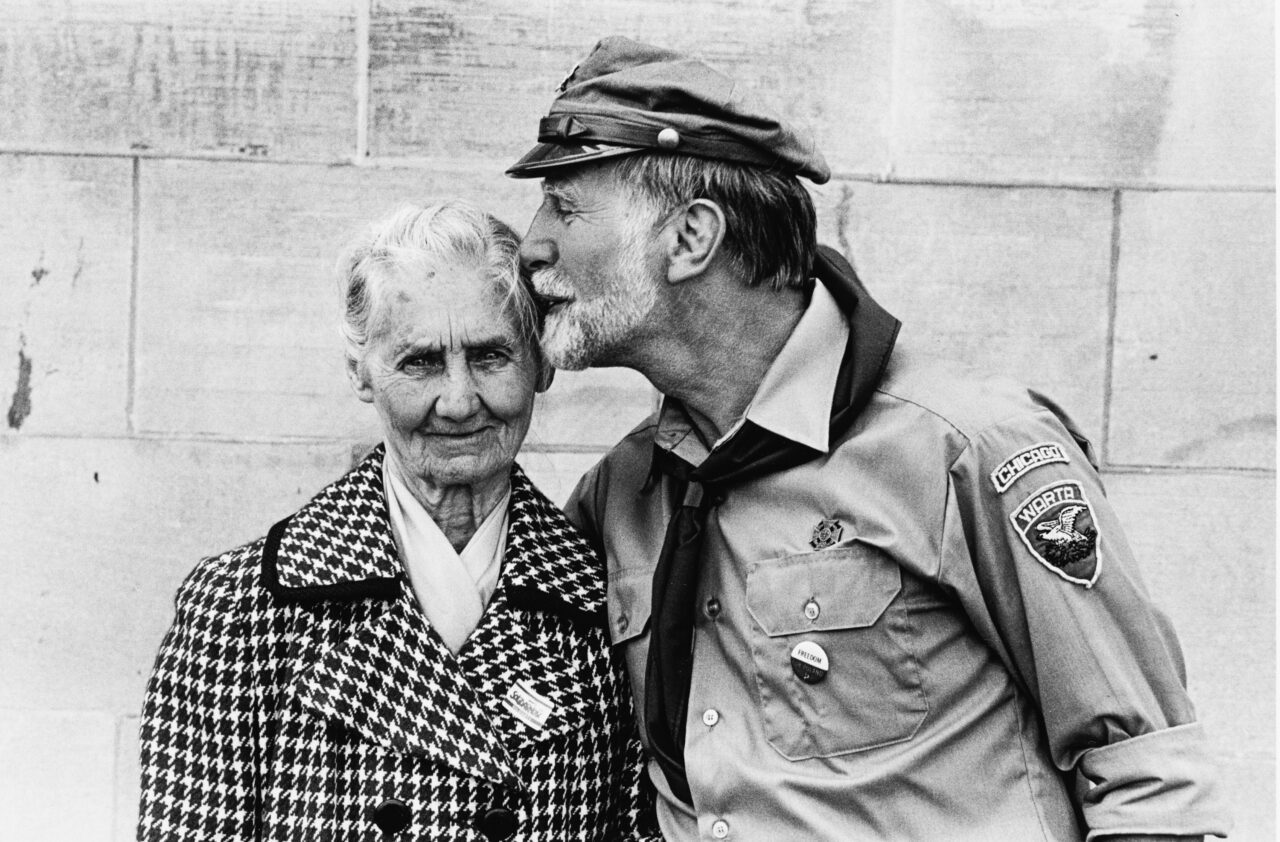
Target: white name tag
{"x":527,"y":706}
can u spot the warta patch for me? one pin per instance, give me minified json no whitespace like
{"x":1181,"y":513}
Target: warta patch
{"x":1058,"y":527}
{"x":1024,"y":460}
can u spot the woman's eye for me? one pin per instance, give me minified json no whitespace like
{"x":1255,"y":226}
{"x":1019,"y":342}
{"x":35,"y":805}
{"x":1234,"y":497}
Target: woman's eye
{"x":421,"y":363}
{"x":492,"y":358}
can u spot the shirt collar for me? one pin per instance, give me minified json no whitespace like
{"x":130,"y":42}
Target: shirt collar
{"x":794,"y":398}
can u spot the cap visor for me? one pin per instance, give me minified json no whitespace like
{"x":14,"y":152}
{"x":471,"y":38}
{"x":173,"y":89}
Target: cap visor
{"x":546,"y":157}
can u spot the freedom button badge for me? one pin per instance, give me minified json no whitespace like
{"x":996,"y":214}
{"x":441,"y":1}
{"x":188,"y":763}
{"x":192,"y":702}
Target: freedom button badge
{"x":809,"y":662}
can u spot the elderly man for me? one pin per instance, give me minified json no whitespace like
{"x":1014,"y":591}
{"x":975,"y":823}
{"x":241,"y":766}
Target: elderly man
{"x":860,"y":594}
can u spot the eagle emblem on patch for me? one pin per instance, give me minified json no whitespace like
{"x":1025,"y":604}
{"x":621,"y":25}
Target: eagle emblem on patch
{"x":826,"y":534}
{"x":1057,"y":525}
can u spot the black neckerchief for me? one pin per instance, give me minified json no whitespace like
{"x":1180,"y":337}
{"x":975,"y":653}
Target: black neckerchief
{"x":751,"y":453}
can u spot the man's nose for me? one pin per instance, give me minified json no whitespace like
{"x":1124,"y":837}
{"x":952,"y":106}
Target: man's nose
{"x":458,"y":399}
{"x":538,"y":250}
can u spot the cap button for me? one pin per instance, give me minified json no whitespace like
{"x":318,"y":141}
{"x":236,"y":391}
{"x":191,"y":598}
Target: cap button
{"x":668,"y":138}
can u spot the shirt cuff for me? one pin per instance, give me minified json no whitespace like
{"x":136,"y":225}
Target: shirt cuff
{"x":1158,"y":783}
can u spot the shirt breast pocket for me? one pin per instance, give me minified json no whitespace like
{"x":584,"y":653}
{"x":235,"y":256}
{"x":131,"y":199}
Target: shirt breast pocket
{"x":845,"y":601}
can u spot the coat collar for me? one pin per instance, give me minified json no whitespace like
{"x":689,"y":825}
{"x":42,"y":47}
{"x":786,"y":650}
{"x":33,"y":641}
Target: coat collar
{"x":376,"y":667}
{"x":340,"y":547}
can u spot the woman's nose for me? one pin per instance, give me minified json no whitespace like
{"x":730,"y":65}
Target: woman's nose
{"x":458,"y":399}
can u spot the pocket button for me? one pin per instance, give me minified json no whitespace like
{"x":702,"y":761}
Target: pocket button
{"x":811,"y":610}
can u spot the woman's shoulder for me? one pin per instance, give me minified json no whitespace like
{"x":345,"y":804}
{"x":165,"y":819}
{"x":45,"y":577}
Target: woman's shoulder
{"x":225,"y":579}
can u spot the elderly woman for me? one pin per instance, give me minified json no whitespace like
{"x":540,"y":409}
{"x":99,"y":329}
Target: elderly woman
{"x":417,"y":653}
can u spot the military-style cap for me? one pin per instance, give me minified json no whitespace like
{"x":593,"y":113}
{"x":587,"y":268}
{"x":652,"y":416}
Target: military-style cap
{"x":628,"y":97}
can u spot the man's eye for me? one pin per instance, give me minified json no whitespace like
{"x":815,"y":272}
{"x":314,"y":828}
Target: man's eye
{"x":558,"y":208}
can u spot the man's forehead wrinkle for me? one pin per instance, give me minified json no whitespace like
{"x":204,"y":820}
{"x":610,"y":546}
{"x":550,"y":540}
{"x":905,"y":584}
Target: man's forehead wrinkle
{"x":584,"y":194}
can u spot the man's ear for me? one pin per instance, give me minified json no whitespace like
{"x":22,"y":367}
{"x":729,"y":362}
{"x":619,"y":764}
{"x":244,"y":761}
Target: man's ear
{"x":358,"y":375}
{"x":694,"y":239}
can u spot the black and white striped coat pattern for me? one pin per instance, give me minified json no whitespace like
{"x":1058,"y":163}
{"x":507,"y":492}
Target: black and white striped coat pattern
{"x":301,"y":694}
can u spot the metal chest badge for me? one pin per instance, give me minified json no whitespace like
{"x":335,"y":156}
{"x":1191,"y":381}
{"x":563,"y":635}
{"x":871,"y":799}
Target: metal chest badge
{"x":826,"y":534}
{"x":1058,"y":527}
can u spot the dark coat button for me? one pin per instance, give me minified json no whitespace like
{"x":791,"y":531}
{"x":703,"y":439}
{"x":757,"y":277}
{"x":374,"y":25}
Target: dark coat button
{"x":391,"y":816}
{"x":498,"y":823}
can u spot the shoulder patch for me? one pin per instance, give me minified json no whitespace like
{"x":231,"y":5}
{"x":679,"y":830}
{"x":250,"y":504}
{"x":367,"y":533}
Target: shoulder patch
{"x":1057,"y":525}
{"x":1024,"y":460}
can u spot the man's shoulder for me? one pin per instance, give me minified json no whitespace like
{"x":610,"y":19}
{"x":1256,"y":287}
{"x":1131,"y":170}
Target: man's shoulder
{"x":624,"y":466}
{"x":634,"y":450}
{"x":958,"y":396}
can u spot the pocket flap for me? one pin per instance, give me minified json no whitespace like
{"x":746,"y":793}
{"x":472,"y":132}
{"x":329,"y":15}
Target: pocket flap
{"x":841,"y":588}
{"x":630,"y":595}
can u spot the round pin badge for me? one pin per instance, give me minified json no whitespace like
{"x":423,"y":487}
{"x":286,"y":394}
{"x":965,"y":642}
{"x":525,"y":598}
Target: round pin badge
{"x":809,"y":662}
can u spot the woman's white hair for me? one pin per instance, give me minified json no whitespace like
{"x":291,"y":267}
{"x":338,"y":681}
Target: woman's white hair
{"x":450,"y":231}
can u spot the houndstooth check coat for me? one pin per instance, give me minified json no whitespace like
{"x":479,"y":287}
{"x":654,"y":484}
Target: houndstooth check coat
{"x":301,"y":694}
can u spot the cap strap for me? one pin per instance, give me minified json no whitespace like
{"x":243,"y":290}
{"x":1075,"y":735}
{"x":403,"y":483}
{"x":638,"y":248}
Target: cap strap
{"x":576,"y":129}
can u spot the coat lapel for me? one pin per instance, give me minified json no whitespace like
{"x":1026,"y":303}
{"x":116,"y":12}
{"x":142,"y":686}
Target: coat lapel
{"x":393,"y":682}
{"x":543,"y":626}
{"x":338,"y":546}
{"x":367,"y":657}
{"x":377,"y":667}
{"x":549,"y":565}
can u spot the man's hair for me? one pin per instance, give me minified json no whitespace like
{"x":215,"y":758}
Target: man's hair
{"x":771,"y":226}
{"x":450,"y":231}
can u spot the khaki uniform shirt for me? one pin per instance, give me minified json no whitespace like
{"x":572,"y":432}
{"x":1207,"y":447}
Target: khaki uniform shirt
{"x":969,"y":686}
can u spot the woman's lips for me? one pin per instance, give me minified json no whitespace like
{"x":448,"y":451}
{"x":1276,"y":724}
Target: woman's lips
{"x":456,"y":435}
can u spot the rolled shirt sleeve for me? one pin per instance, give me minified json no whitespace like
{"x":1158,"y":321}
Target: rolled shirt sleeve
{"x":1159,"y":782}
{"x":1078,"y":630}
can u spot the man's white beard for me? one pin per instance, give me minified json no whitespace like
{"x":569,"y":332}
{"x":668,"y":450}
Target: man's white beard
{"x":581,"y":334}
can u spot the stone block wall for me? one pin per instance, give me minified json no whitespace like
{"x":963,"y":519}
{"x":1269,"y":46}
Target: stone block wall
{"x":1078,"y":194}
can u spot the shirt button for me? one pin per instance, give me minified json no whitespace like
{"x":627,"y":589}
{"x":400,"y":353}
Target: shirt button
{"x":710,"y":717}
{"x":712,"y":608}
{"x":623,"y":622}
{"x":811,"y":610}
{"x":720,"y":829}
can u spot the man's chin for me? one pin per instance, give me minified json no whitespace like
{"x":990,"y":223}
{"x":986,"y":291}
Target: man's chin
{"x":566,"y":350}
{"x":567,"y":361}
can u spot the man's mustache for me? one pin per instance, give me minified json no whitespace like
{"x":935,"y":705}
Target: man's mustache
{"x":549,"y":289}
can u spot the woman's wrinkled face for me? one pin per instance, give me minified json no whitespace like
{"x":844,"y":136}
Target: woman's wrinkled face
{"x":446,"y":369}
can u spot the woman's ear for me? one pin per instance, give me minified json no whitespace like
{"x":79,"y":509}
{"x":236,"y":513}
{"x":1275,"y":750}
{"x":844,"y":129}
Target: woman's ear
{"x":358,"y":375}
{"x":546,"y":373}
{"x":694,"y":239}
